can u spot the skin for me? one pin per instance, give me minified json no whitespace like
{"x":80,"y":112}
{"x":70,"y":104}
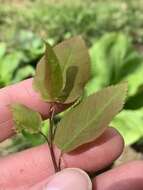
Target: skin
{"x":27,"y":168}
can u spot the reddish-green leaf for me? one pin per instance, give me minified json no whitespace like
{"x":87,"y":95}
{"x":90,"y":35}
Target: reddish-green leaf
{"x":90,"y":118}
{"x":48,"y":78}
{"x":26,"y":119}
{"x":75,"y":63}
{"x":63,"y":72}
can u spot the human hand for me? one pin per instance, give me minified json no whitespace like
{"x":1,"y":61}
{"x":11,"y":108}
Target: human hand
{"x":31,"y":169}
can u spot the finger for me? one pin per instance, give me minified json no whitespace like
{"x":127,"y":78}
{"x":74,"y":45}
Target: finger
{"x":20,"y":93}
{"x":125,"y":177}
{"x":77,"y":179}
{"x":34,"y":165}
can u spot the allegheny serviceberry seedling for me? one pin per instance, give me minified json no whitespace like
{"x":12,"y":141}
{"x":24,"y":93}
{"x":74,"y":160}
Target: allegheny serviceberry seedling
{"x":61,"y":76}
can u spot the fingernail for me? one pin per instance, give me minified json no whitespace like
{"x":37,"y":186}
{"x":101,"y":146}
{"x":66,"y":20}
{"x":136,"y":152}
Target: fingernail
{"x":69,"y":179}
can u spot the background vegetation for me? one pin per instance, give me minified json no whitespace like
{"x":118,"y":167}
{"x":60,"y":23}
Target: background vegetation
{"x":113,"y":31}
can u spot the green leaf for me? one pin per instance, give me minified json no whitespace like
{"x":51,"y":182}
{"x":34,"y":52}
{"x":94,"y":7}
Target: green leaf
{"x":23,"y":73}
{"x":104,"y":59}
{"x":37,"y":139}
{"x":75,"y":63}
{"x":2,"y":49}
{"x":26,"y":119}
{"x":114,"y":59}
{"x":48,"y":79}
{"x":63,"y":72}
{"x":8,"y":66}
{"x":130,"y":125}
{"x":90,"y":118}
{"x":135,"y":80}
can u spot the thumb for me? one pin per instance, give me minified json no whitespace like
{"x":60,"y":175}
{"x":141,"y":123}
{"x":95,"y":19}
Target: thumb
{"x":67,"y":179}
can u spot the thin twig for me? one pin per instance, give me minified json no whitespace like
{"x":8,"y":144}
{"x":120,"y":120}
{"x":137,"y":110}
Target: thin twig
{"x":50,"y":140}
{"x":52,"y":110}
{"x":51,"y":152}
{"x":51,"y":137}
{"x":60,"y":160}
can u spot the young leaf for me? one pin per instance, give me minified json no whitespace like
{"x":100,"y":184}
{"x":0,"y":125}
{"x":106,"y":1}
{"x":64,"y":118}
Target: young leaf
{"x":26,"y":119}
{"x":90,"y":118}
{"x":37,"y":139}
{"x":48,"y":79}
{"x":75,"y":63}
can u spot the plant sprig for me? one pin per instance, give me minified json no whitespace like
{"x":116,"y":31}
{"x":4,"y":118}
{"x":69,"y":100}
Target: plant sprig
{"x":61,"y":76}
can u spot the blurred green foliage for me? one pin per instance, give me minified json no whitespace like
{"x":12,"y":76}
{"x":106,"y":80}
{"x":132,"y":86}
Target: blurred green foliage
{"x":113,"y":31}
{"x":11,"y":69}
{"x":114,"y":59}
{"x":60,"y":20}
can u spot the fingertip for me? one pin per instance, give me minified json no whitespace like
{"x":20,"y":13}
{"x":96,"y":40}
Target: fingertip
{"x":120,"y":141}
{"x":70,"y":178}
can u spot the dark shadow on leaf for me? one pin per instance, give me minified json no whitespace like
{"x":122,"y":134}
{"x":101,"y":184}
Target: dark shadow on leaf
{"x":71,"y":74}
